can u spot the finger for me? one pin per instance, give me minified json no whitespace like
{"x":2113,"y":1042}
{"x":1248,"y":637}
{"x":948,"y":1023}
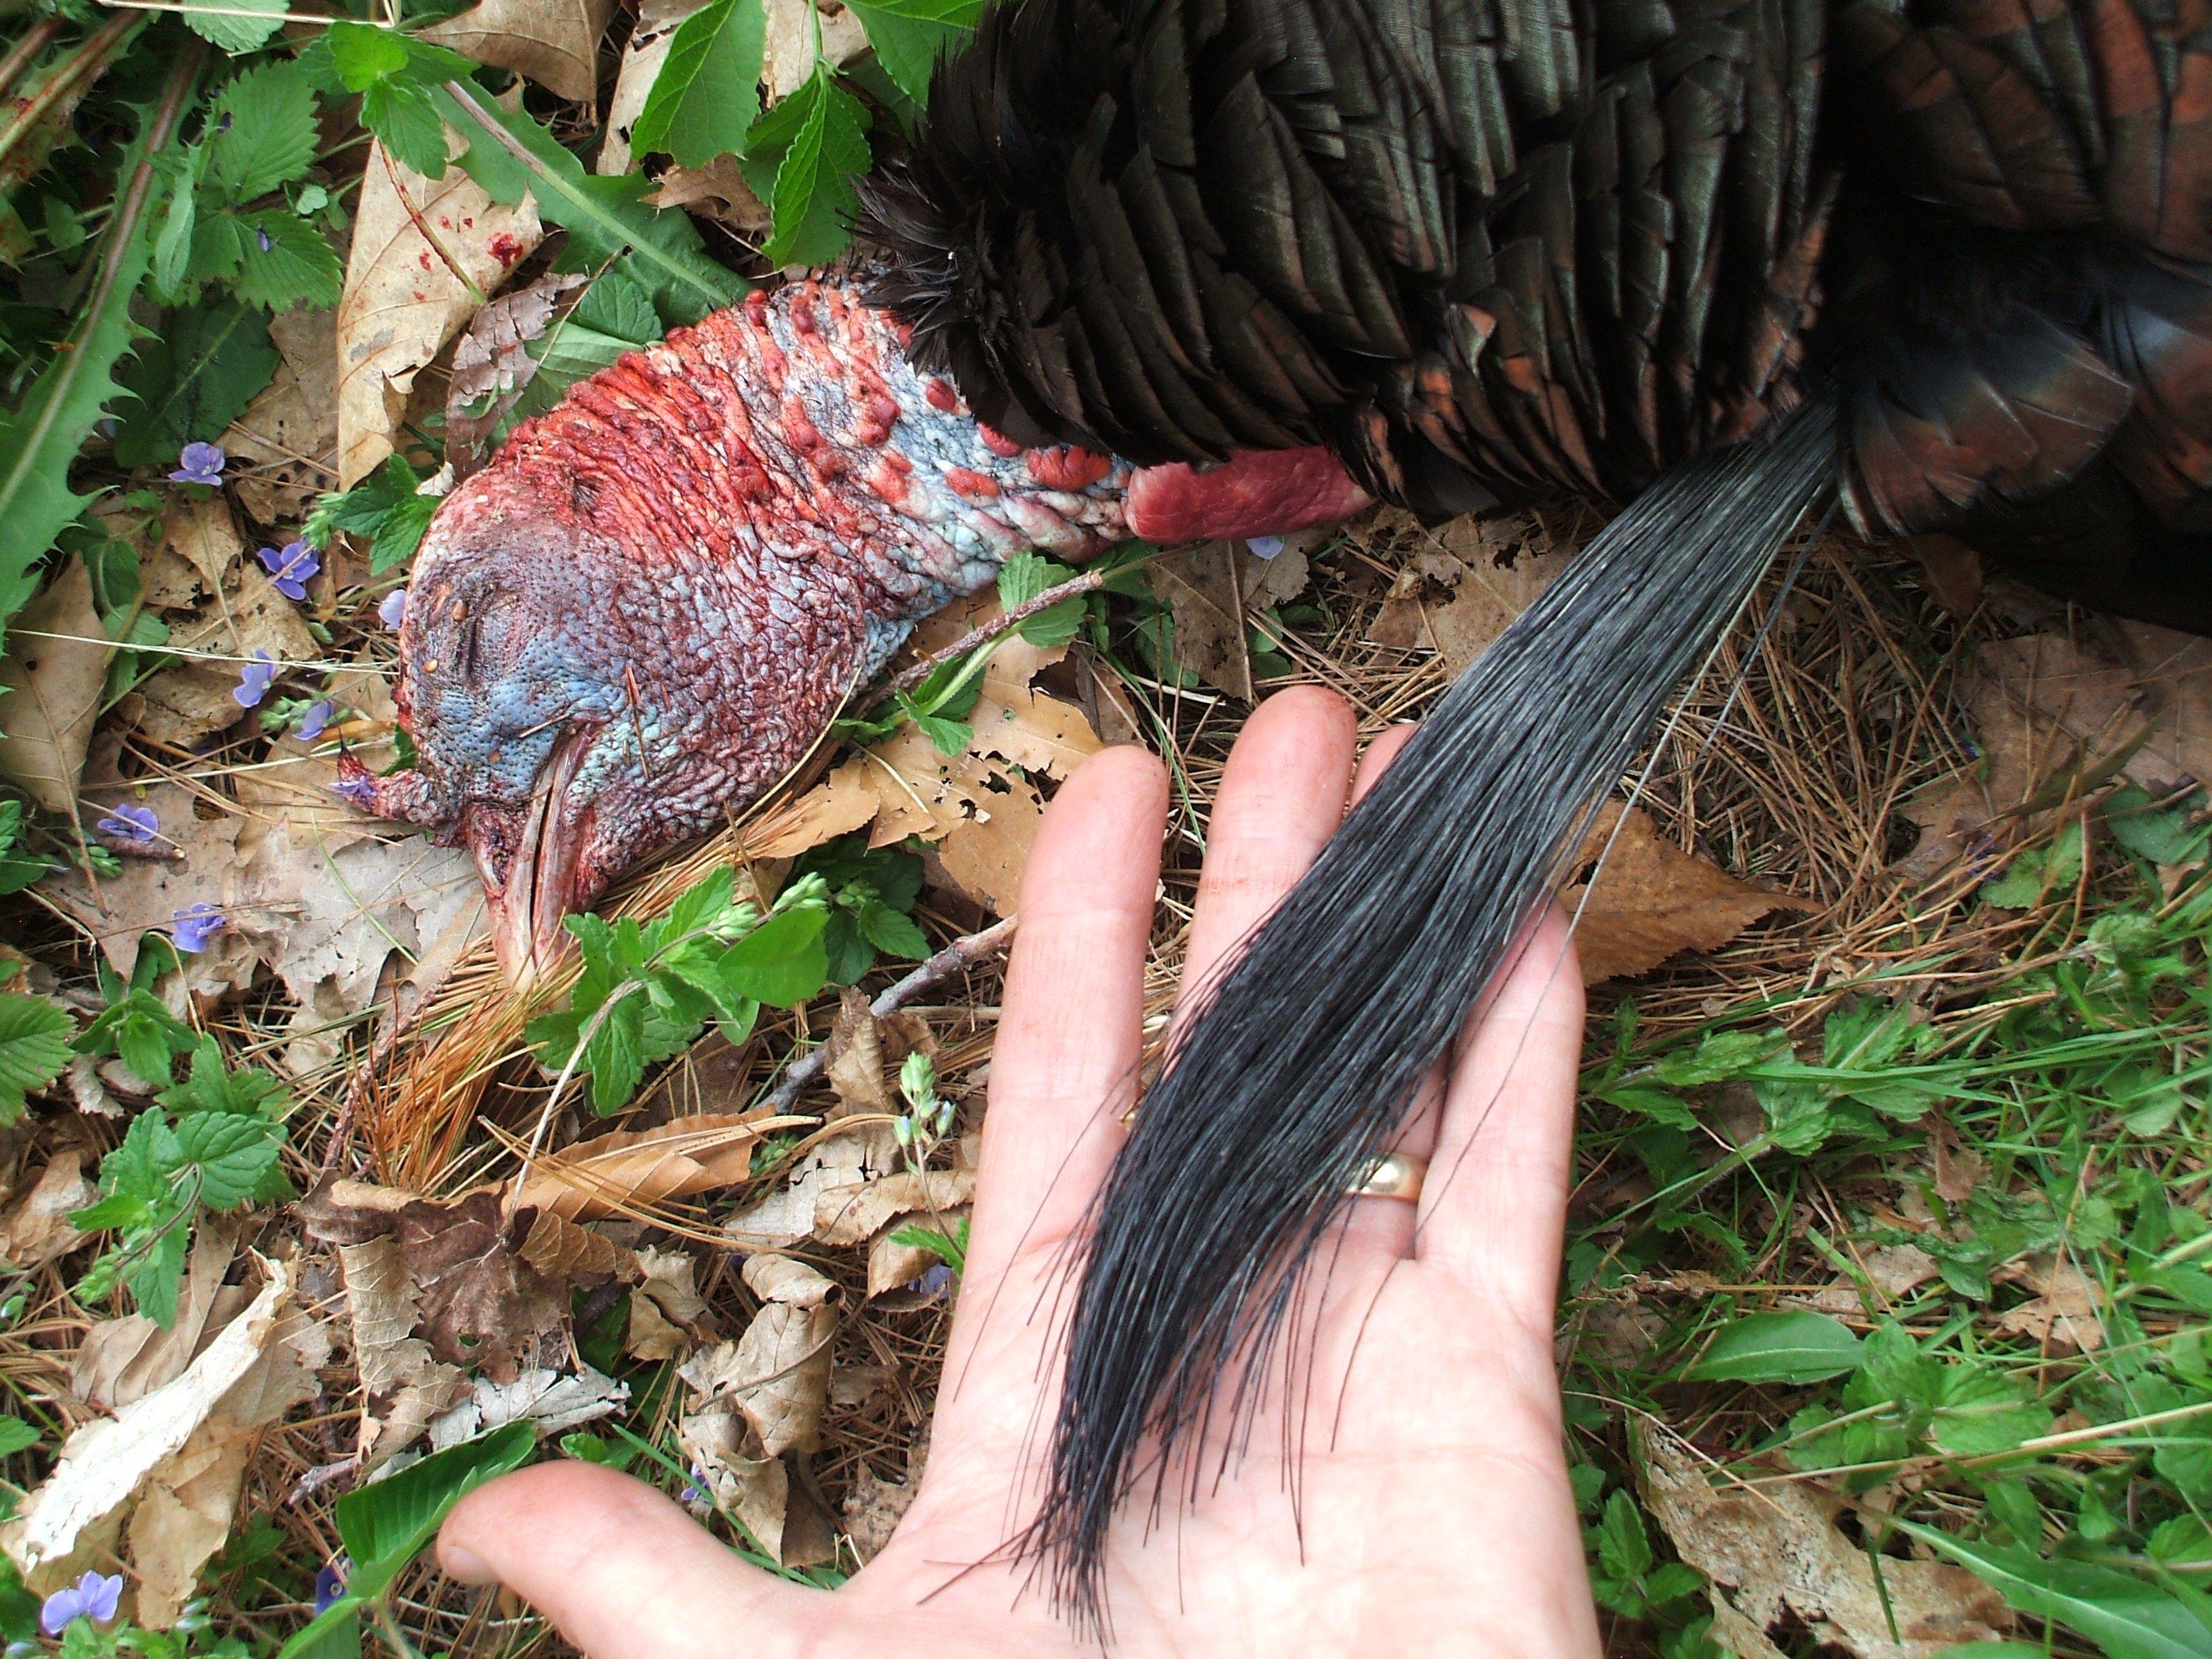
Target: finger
{"x":1070,"y":1026}
{"x":619,"y":1569}
{"x":1281,"y":798}
{"x":1493,"y":1211}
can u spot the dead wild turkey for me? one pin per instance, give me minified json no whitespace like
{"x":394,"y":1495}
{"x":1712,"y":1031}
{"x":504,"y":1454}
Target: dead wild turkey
{"x":1230,"y":267}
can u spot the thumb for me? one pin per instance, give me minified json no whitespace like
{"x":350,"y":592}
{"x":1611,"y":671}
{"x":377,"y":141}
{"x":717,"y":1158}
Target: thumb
{"x":621,"y":1572}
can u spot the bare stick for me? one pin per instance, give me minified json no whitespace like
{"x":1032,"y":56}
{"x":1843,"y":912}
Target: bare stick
{"x":1089,"y":581}
{"x":955,"y":957}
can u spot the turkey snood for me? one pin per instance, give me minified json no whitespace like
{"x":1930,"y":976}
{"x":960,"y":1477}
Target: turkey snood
{"x":642,"y":615}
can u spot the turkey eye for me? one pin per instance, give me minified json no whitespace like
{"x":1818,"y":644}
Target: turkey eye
{"x":465,"y":650}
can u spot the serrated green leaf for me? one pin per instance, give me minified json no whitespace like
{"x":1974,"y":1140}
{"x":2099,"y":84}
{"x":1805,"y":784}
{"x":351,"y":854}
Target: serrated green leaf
{"x":708,"y":92}
{"x":193,"y":377}
{"x":40,"y":440}
{"x":116,"y":1211}
{"x":234,"y":1154}
{"x":334,"y":1634}
{"x":211,"y":1086}
{"x":235,"y":34}
{"x":406,"y":121}
{"x":137,"y":1029}
{"x":893,"y":931}
{"x":781,"y":962}
{"x":812,"y":198}
{"x":384,"y":1525}
{"x":16,"y":1435}
{"x":704,"y":906}
{"x":34,"y":1045}
{"x":1980,"y":1412}
{"x":297,"y":267}
{"x":154,"y":1274}
{"x":263,"y":128}
{"x":909,"y":36}
{"x":616,"y":306}
{"x":1789,"y":1345}
{"x":615,"y":1056}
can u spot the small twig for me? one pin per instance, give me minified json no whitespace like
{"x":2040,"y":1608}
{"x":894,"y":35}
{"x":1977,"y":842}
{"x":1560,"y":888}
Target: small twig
{"x":955,"y":957}
{"x":1089,"y":581}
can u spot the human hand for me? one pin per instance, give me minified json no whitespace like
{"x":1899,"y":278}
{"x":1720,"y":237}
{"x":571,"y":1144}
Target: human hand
{"x":1433,"y":1511}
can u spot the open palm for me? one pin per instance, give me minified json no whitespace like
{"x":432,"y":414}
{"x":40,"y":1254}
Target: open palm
{"x":1431,"y":1510}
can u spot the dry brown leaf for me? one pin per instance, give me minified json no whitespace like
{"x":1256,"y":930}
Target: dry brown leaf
{"x":555,"y":43}
{"x":873,"y":1508}
{"x":755,"y":1490}
{"x":2113,"y":684}
{"x":777,"y":1374}
{"x":36,"y":1228}
{"x":1461,"y":588}
{"x":283,"y":449}
{"x":1893,"y":1269}
{"x":403,"y":1387}
{"x":124,"y":1359}
{"x":405,"y":296}
{"x":646,"y":51}
{"x":781,"y":1278}
{"x":1776,"y":1559}
{"x":1206,"y":600}
{"x":792,"y":43}
{"x":717,"y":190}
{"x":189,"y":1502}
{"x":853,"y":1213}
{"x":855,"y":1063}
{"x":893,"y":1265}
{"x":1654,"y":901}
{"x":488,"y":1284}
{"x":551,"y":1402}
{"x":221,"y":609}
{"x":75,"y":1516}
{"x":631,"y":1169}
{"x":2063,"y":1315}
{"x":50,"y":683}
{"x":1950,"y":570}
{"x":493,"y":364}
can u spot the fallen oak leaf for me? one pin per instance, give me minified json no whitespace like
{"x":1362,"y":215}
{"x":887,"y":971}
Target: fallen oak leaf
{"x":553,"y":42}
{"x":51,"y":684}
{"x":551,"y":1402}
{"x":403,"y":1385}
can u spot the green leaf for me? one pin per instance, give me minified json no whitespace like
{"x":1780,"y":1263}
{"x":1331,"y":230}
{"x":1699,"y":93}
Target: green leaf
{"x":335,"y":1633}
{"x":137,"y":1029}
{"x":704,"y":907}
{"x":263,"y":128}
{"x":141,"y":1164}
{"x":615,"y":1056}
{"x":406,"y":119}
{"x":116,"y":1211}
{"x":819,"y":135}
{"x":708,"y":92}
{"x":34,"y":1045}
{"x":298,"y":267}
{"x":893,"y":931}
{"x":40,"y":439}
{"x":909,"y":36}
{"x":605,"y":219}
{"x":384,"y":1524}
{"x":1792,"y":1346}
{"x":781,"y":962}
{"x":233,"y":33}
{"x":236,"y":1155}
{"x":616,"y":306}
{"x":1979,"y":1411}
{"x":16,"y":1435}
{"x":193,"y":377}
{"x":214,"y":1087}
{"x":2126,"y":1618}
{"x":950,"y":737}
{"x":154,"y":1274}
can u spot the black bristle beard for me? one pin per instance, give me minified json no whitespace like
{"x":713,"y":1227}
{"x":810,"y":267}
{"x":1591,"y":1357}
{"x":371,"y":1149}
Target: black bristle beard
{"x":1305,"y":1060}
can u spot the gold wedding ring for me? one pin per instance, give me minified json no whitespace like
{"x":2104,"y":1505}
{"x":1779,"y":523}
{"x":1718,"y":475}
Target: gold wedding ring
{"x":1393,"y":1175}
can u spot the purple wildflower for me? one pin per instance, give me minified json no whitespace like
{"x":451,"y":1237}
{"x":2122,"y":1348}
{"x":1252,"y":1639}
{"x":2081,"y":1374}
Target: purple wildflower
{"x":1264,"y":547}
{"x":195,"y":925}
{"x":331,"y":1583}
{"x":358,"y":787}
{"x":92,"y":1597}
{"x":393,"y":610}
{"x":314,"y":721}
{"x":695,"y":1490}
{"x":253,"y":680}
{"x":933,"y":1281}
{"x":199,"y":464}
{"x":292,"y":567}
{"x":130,"y":823}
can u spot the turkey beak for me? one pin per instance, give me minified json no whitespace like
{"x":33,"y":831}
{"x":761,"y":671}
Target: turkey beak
{"x":529,"y":863}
